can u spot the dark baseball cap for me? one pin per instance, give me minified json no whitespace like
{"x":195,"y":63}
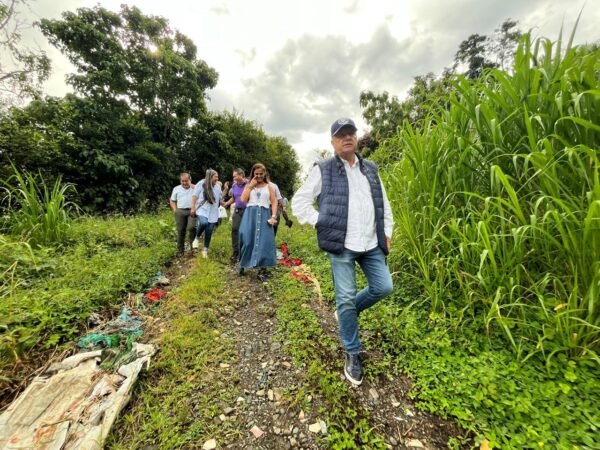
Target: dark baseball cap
{"x":343,"y":122}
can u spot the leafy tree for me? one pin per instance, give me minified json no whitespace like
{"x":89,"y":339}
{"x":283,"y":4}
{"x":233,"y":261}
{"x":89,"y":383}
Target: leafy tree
{"x":282,"y":163}
{"x":426,"y":93}
{"x":145,"y":92}
{"x":139,"y":60}
{"x":383,"y":112}
{"x":472,"y":52}
{"x":482,"y":52}
{"x":138,"y":117}
{"x":36,"y":138}
{"x":227,"y":141}
{"x":504,"y":43}
{"x":207,"y":146}
{"x":107,"y":152}
{"x":22,"y":69}
{"x":366,"y":144}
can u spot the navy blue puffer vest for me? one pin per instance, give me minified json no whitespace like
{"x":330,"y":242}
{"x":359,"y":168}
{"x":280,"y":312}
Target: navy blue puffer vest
{"x":333,"y":204}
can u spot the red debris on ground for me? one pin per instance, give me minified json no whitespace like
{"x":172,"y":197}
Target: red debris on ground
{"x":286,"y":260}
{"x":301,"y":277}
{"x":156,"y":294}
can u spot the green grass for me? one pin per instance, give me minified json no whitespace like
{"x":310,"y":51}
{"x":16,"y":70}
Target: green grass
{"x":38,"y":213}
{"x":497,"y":202}
{"x":175,"y":405}
{"x":457,"y":371}
{"x":49,"y":292}
{"x":497,"y":208}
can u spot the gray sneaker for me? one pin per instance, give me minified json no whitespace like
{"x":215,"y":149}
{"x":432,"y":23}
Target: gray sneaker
{"x":353,"y":369}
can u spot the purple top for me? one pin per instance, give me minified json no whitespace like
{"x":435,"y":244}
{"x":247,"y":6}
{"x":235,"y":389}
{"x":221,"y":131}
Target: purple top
{"x":236,"y":192}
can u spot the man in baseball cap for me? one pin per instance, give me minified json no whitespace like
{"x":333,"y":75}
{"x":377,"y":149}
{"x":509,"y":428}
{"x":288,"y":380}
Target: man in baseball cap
{"x":343,"y":123}
{"x":354,"y":225}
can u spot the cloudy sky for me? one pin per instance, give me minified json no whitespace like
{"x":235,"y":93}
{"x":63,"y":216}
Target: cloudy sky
{"x":294,"y":67}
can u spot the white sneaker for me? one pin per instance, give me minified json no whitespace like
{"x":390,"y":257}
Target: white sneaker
{"x":205,"y":253}
{"x":195,"y":244}
{"x":337,"y":319}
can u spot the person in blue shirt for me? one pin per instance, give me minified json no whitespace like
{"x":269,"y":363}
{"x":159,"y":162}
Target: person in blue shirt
{"x":205,"y":204}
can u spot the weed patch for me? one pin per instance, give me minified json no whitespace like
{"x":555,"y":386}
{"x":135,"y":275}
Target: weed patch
{"x":176,"y":403}
{"x":49,"y":292}
{"x":456,"y":370}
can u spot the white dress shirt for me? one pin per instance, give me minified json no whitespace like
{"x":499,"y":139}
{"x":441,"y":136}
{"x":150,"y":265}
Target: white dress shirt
{"x":361,"y":234}
{"x":182,"y":196}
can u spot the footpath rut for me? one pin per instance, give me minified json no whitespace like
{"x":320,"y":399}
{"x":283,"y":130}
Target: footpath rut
{"x":275,"y":408}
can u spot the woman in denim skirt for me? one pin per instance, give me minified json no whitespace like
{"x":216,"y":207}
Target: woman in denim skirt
{"x":257,"y":237}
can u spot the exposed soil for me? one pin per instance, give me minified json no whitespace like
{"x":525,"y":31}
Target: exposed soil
{"x":269,"y":382}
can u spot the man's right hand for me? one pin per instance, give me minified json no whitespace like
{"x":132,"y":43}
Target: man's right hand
{"x":193,"y":212}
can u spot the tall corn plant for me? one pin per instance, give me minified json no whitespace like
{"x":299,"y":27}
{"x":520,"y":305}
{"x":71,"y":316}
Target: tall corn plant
{"x":37,"y":212}
{"x":497,"y":200}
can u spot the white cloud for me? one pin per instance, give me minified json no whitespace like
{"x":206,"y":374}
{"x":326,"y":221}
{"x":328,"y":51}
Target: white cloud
{"x":220,"y":10}
{"x":297,"y":67}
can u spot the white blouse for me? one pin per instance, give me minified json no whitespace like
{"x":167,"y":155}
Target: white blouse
{"x":260,"y":196}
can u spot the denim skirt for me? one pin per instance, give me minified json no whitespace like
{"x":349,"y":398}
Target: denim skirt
{"x":257,"y":239}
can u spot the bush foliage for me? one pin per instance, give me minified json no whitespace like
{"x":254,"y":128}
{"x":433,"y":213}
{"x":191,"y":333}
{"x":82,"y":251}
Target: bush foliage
{"x":497,"y":201}
{"x":47,"y":293}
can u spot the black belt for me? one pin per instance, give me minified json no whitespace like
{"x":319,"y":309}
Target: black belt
{"x":239,"y":210}
{"x":185,"y":209}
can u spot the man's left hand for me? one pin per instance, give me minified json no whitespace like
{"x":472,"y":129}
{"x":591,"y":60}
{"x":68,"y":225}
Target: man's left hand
{"x":389,"y":243}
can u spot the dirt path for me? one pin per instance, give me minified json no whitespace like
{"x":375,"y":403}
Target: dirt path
{"x":268,"y":379}
{"x":274,"y":379}
{"x":271,"y":408}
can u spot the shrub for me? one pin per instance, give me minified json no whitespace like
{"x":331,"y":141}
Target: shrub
{"x":38,"y":213}
{"x":497,"y":201}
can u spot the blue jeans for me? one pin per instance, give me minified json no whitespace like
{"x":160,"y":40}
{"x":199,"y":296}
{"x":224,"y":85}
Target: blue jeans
{"x":207,"y":227}
{"x":349,"y":304}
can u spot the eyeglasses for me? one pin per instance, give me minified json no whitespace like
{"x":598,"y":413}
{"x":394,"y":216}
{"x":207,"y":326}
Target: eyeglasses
{"x":343,"y":133}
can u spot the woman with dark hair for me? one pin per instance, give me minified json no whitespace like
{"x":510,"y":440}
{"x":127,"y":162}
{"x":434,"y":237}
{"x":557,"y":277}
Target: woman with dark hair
{"x":205,"y":204}
{"x":257,"y":239}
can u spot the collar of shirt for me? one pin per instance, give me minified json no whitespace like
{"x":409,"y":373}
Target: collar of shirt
{"x":353,"y":165}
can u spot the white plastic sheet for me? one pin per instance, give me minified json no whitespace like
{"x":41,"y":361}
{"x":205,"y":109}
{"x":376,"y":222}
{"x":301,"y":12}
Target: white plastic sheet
{"x":73,"y":405}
